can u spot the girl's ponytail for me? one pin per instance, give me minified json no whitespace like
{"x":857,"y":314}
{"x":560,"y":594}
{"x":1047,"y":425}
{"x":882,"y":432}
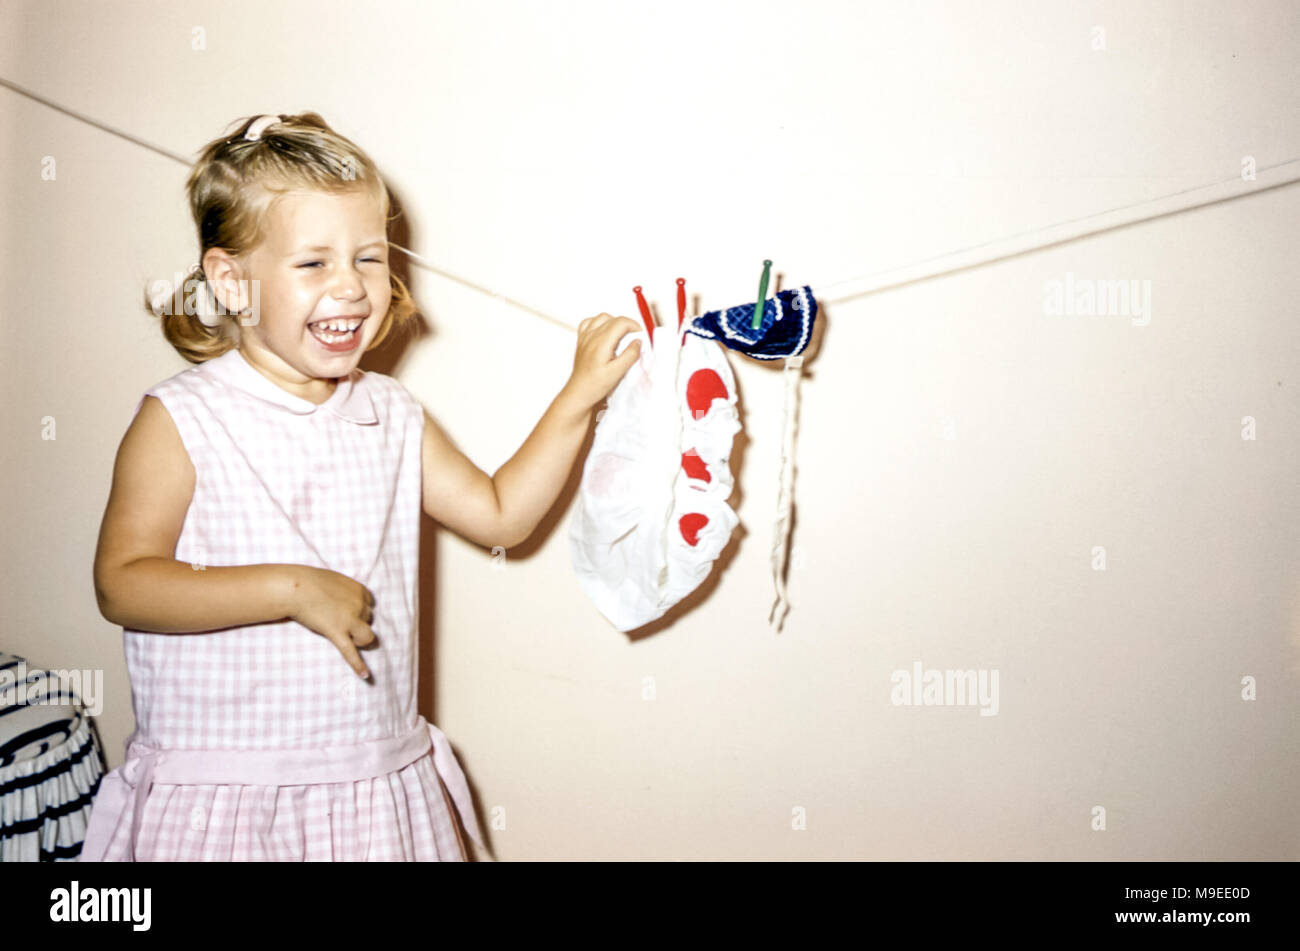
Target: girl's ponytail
{"x":192,"y":320}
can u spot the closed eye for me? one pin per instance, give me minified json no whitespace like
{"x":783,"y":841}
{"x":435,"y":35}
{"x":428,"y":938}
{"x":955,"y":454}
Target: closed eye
{"x":314,"y":263}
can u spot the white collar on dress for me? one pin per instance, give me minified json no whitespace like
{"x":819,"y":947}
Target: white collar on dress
{"x":350,"y":399}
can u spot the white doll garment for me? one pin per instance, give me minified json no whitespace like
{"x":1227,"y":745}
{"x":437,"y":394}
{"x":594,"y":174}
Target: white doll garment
{"x":645,"y":533}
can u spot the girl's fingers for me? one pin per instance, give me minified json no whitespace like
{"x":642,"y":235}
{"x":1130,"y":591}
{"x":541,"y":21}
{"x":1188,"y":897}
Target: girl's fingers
{"x":362,"y":634}
{"x":615,"y":330}
{"x":622,"y":325}
{"x":353,"y":657}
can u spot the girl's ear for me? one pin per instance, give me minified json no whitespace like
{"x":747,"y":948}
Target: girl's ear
{"x":225,"y":275}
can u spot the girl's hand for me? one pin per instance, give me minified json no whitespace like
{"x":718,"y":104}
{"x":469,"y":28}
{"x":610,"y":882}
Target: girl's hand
{"x":336,"y":607}
{"x":596,"y":371}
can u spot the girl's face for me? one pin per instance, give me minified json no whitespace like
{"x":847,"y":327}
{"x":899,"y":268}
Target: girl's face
{"x":324,"y":258}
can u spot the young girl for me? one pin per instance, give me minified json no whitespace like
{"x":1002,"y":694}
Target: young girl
{"x":263,"y":528}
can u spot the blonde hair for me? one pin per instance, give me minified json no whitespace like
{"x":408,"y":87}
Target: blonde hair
{"x":231,"y":189}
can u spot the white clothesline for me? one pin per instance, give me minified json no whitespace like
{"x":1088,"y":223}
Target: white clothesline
{"x":1265,"y":178}
{"x":1008,"y":246}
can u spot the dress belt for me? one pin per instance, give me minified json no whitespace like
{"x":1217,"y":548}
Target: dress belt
{"x":293,"y":767}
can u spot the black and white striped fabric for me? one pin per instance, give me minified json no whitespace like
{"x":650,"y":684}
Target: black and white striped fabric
{"x":50,"y":766}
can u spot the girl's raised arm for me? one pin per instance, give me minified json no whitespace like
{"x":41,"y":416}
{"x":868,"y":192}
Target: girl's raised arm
{"x":138,"y":582}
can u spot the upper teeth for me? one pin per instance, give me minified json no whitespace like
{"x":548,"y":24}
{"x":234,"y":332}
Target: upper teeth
{"x":340,"y":325}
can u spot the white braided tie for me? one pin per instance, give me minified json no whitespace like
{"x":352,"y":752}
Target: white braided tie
{"x":781,"y":531}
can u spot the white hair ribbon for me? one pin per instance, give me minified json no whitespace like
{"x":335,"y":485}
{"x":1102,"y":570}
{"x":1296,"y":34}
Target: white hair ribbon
{"x":257,"y":128}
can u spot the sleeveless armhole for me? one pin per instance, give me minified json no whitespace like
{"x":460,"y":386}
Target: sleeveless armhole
{"x":174,"y":400}
{"x":404,"y":398}
{"x":415,"y":406}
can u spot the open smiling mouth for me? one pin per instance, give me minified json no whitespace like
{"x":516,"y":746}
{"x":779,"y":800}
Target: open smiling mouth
{"x":337,"y":334}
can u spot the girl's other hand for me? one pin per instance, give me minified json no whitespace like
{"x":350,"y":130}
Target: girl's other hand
{"x":336,"y":607}
{"x":596,"y":371}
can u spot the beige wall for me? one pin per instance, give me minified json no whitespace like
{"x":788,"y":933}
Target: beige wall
{"x":562,"y":153}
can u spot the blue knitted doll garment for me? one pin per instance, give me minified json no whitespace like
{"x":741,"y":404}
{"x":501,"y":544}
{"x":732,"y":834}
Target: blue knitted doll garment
{"x":783,"y":331}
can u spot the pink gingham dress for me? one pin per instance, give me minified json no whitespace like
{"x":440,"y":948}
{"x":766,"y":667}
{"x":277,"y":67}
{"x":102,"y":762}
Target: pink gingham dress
{"x":260,"y":743}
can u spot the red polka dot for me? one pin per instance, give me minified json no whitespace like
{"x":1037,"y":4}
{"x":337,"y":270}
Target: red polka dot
{"x":702,"y":389}
{"x":694,"y":466}
{"x":690,"y":525}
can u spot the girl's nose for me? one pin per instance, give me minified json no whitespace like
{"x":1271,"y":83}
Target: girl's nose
{"x":349,"y":286}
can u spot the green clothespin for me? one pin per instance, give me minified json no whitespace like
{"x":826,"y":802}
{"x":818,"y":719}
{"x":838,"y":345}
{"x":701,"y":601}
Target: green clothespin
{"x":762,"y":294}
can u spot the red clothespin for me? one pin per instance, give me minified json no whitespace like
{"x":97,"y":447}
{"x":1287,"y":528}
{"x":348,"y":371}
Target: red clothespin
{"x":681,"y":301}
{"x":645,"y":313}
